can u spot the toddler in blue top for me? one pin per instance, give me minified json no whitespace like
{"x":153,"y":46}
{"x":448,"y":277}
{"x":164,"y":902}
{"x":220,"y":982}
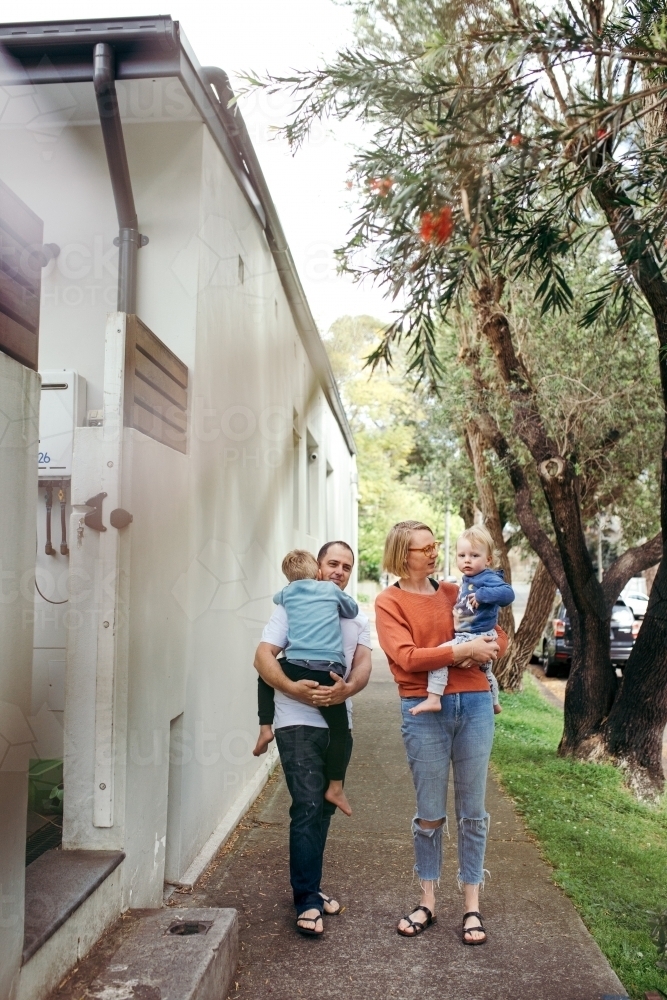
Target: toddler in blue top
{"x":314,"y":651}
{"x":482,"y":593}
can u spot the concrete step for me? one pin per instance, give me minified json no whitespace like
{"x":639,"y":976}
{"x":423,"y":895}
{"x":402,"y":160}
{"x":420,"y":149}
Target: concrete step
{"x":173,"y":954}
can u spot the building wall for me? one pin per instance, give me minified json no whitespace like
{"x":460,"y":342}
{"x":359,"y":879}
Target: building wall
{"x":250,"y":374}
{"x":19,"y":407}
{"x":196,"y":569}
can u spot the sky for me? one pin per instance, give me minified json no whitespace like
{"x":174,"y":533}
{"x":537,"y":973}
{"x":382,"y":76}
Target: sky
{"x":308,"y":189}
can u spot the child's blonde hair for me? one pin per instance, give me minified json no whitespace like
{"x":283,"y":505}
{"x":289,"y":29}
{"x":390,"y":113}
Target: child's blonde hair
{"x":300,"y":564}
{"x":478,"y":533}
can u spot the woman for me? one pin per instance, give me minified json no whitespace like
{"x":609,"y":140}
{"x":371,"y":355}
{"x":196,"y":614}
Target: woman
{"x":413,"y":618}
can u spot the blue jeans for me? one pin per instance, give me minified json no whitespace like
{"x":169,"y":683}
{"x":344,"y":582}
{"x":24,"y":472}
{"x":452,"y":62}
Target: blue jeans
{"x":460,"y":734}
{"x":303,"y":755}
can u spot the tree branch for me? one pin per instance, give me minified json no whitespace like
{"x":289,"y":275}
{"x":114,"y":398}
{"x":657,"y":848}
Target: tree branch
{"x":632,"y":562}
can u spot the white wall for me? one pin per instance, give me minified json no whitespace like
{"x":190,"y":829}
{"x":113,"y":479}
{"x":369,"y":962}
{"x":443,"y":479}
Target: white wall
{"x":19,"y":407}
{"x":197,"y":567}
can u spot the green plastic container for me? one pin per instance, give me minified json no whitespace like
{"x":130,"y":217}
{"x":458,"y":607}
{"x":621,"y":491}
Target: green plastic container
{"x":45,"y":778}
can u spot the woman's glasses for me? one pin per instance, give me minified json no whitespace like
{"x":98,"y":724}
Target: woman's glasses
{"x":428,"y":550}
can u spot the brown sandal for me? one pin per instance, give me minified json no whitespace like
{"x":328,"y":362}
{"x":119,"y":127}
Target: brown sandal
{"x":470,"y":930}
{"x":419,"y":927}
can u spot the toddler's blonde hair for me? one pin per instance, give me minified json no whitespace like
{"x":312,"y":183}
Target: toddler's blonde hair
{"x":299,"y":564}
{"x":478,"y":533}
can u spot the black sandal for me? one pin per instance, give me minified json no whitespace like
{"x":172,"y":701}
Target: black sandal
{"x":419,"y":927}
{"x":470,"y":930}
{"x":310,"y":931}
{"x":330,"y":900}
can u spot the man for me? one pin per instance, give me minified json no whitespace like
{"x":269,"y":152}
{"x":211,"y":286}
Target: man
{"x":302,"y":736}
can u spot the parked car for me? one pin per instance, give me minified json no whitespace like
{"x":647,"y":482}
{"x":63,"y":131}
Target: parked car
{"x":636,"y":601}
{"x":556,"y":646}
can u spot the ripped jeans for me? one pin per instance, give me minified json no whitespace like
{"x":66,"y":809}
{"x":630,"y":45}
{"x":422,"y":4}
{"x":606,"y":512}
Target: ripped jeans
{"x":461,"y":734}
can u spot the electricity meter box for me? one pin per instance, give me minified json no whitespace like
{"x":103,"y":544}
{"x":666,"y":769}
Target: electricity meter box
{"x":63,"y":407}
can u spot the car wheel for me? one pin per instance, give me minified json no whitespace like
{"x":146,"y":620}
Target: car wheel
{"x":550,"y":667}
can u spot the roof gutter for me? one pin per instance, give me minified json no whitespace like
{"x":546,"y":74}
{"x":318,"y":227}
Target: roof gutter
{"x":220,"y":86}
{"x":129,"y":239}
{"x":59,"y":52}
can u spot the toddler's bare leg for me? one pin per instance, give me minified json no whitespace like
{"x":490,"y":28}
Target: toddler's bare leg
{"x":437,"y":682}
{"x":265,"y":737}
{"x":432,"y":703}
{"x":493,"y":684}
{"x":335,"y":793}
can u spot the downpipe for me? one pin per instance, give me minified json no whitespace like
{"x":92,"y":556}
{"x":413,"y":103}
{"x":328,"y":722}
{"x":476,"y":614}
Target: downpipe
{"x":129,"y":239}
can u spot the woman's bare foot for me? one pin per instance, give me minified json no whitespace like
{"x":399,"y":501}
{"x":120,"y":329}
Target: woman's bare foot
{"x":418,"y":916}
{"x":336,"y":794}
{"x":431,"y":704}
{"x":471,"y":903}
{"x":497,"y":709}
{"x":265,"y":737}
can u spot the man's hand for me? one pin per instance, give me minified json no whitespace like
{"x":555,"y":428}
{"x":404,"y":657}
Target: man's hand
{"x":334,"y":695}
{"x":304,"y":691}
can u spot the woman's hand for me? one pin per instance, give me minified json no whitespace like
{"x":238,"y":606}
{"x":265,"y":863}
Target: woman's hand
{"x":479,"y":650}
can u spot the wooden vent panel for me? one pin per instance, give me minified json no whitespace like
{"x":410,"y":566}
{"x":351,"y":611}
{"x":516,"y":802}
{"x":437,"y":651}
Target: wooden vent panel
{"x":21,"y":233}
{"x":156,"y":387}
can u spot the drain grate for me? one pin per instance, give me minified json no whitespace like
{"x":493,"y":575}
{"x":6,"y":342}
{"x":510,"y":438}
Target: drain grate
{"x":42,"y":840}
{"x":183,"y":928}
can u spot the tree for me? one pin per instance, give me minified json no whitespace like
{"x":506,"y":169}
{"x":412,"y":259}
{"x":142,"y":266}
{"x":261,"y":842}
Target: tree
{"x":386,"y":421}
{"x":472,"y":177}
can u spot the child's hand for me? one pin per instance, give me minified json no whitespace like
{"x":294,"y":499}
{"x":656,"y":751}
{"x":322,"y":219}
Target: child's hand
{"x":473,"y":602}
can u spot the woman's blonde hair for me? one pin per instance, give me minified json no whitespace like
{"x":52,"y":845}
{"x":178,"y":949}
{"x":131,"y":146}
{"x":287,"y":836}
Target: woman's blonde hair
{"x":396,"y":546}
{"x":478,"y":533}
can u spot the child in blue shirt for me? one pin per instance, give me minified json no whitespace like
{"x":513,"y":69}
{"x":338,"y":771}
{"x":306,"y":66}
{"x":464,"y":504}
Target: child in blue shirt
{"x":314,"y":650}
{"x":482,"y":593}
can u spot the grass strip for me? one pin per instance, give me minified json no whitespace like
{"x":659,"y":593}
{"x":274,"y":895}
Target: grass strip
{"x":608,"y":851}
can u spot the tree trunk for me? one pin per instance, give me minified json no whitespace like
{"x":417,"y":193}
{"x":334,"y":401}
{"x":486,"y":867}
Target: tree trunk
{"x":540,"y":601}
{"x":591,"y":696}
{"x":632,"y":734}
{"x":476,"y":446}
{"x":591,"y":686}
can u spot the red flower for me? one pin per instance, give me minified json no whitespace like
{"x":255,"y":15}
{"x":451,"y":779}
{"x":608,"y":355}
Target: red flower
{"x":381,"y":186}
{"x":426,"y":227}
{"x":443,"y":225}
{"x":437,"y":228}
{"x":603,"y":133}
{"x":516,"y":140}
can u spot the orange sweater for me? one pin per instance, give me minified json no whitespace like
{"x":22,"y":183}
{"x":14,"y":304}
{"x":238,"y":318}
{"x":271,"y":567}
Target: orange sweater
{"x":409,"y":626}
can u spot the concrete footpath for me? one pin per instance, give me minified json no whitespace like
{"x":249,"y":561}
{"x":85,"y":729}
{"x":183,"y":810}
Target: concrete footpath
{"x":537,"y":948}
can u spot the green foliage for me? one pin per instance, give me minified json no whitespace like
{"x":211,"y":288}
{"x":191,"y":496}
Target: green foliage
{"x":658,"y":925}
{"x":522,"y":122}
{"x":387,"y":421}
{"x":608,"y":852}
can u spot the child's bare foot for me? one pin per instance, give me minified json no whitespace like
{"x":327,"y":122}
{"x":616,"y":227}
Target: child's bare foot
{"x":497,"y":709}
{"x":337,"y":796}
{"x":432,"y":704}
{"x":265,"y":737}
